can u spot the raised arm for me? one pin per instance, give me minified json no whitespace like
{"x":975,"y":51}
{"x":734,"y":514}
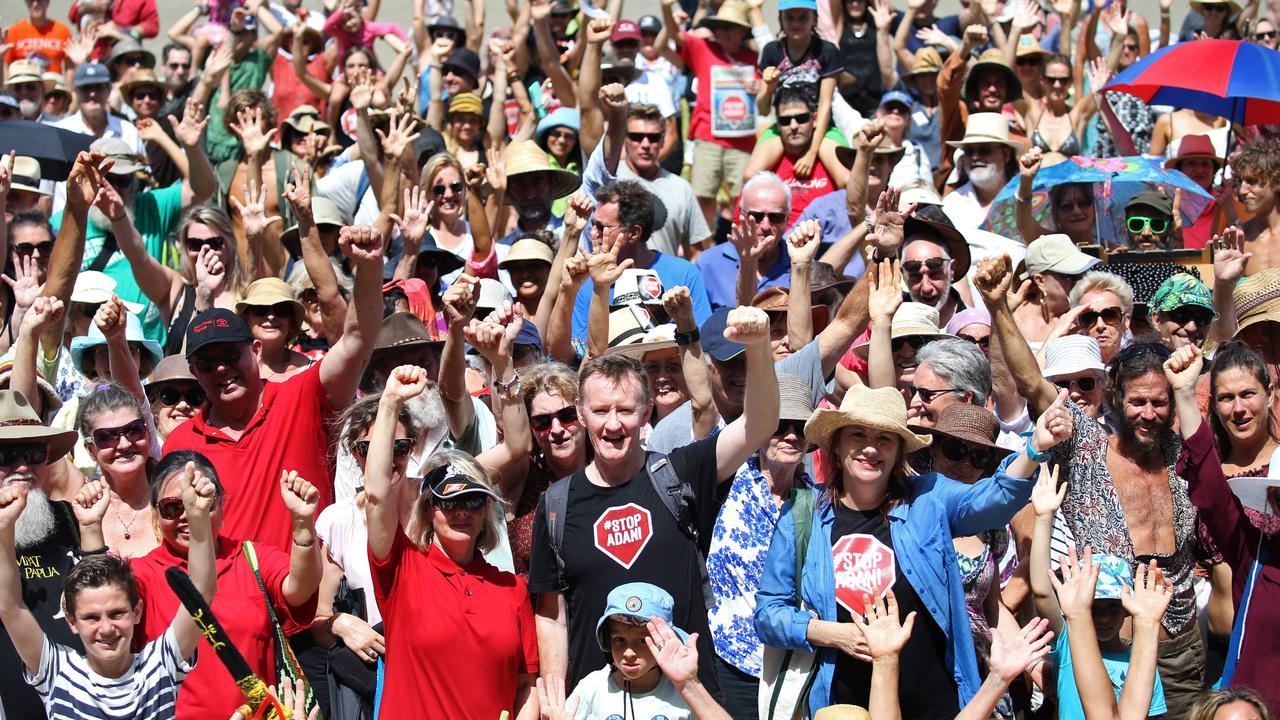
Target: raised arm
{"x":86,"y":178}
{"x":157,"y":281}
{"x":1182,"y":370}
{"x":739,"y":439}
{"x":112,"y":319}
{"x":670,"y":38}
{"x":883,"y":300}
{"x":1146,"y":604}
{"x":885,"y":638}
{"x":306,"y":565}
{"x":333,"y":309}
{"x":548,"y":58}
{"x":1028,"y":167}
{"x":21,"y":626}
{"x":197,"y":502}
{"x":90,"y":507}
{"x":1010,"y":657}
{"x":750,"y":244}
{"x":902,"y":35}
{"x":1046,"y":498}
{"x":598,"y":32}
{"x":507,"y":462}
{"x":382,"y":507}
{"x":459,"y":303}
{"x":802,"y":245}
{"x":993,"y":278}
{"x":317,"y":86}
{"x":605,"y":269}
{"x":262,"y":233}
{"x":1229,"y":260}
{"x":45,"y":312}
{"x":560,"y":324}
{"x":341,"y":368}
{"x":575,"y":221}
{"x":697,"y":376}
{"x":678,"y":661}
{"x":1075,"y":595}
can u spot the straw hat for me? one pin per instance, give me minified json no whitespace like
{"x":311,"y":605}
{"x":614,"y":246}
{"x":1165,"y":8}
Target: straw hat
{"x":19,"y":422}
{"x":993,"y":59}
{"x":269,"y":291}
{"x":881,"y":409}
{"x":528,"y":249}
{"x":1257,"y":299}
{"x":985,"y":128}
{"x":912,"y":318}
{"x":172,"y":369}
{"x":973,"y":424}
{"x":141,"y":77}
{"x":24,"y":71}
{"x":731,"y":12}
{"x":842,"y":712}
{"x":306,"y":119}
{"x":926,"y":61}
{"x":628,"y":325}
{"x":55,"y":83}
{"x":26,"y":175}
{"x":662,"y":337}
{"x":524,"y":157}
{"x":1027,"y":45}
{"x":1233,"y":8}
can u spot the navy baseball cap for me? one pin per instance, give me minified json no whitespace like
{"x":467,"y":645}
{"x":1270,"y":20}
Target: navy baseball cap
{"x":529,"y":335}
{"x":713,"y":340}
{"x":896,"y":96}
{"x":650,"y":24}
{"x":92,"y":73}
{"x":215,"y":325}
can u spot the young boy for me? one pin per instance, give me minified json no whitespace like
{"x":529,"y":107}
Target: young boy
{"x":655,"y":664}
{"x":1107,"y":607}
{"x":100,"y":600}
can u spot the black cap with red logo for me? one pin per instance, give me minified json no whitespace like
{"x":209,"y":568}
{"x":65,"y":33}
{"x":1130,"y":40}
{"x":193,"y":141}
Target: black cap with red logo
{"x":215,"y":325}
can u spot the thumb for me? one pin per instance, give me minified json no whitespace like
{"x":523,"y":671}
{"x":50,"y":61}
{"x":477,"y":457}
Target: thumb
{"x":1061,"y":399}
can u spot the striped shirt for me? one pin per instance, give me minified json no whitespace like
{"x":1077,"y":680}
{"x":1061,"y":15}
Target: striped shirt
{"x":147,"y":691}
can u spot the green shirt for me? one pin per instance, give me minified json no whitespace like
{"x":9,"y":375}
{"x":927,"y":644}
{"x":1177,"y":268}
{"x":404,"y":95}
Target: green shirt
{"x":251,"y":72}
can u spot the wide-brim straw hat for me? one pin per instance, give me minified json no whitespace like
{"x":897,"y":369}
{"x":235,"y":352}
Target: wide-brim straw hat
{"x":662,"y":337}
{"x":731,"y":12}
{"x":140,"y":77}
{"x":842,"y":712}
{"x":1233,"y":8}
{"x":525,"y":157}
{"x":973,"y":424}
{"x":993,"y":59}
{"x":1257,"y":299}
{"x":266,"y":292}
{"x":846,"y":154}
{"x":880,"y":409}
{"x":925,"y":61}
{"x":529,"y":249}
{"x":911,"y":319}
{"x":984,"y":129}
{"x":19,"y":422}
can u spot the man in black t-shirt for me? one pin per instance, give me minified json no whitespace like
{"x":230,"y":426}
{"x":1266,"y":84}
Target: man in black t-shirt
{"x":617,"y":529}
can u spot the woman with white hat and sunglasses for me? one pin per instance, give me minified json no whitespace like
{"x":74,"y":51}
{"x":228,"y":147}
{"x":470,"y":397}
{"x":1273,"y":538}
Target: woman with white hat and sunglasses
{"x":877,"y":526}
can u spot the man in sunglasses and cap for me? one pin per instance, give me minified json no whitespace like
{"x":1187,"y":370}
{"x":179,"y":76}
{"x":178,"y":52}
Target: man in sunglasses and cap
{"x":46,"y":536}
{"x":1148,"y":221}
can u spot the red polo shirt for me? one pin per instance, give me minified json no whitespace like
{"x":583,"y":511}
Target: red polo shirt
{"x":458,"y":638}
{"x":209,"y":691}
{"x":287,"y":433}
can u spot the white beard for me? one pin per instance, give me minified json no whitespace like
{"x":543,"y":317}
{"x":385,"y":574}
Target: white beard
{"x":37,"y":521}
{"x":987,"y":179}
{"x":427,"y":410}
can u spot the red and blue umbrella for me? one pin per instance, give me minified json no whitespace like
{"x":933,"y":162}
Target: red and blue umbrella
{"x":1233,"y":79}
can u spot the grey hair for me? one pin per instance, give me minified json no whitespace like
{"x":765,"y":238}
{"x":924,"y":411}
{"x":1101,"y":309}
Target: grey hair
{"x":769,"y":178}
{"x":962,"y":364}
{"x":1102,"y":280}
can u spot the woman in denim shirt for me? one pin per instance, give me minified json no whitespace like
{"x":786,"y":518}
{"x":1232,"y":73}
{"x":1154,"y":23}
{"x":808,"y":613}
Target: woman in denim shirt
{"x":884,"y":527}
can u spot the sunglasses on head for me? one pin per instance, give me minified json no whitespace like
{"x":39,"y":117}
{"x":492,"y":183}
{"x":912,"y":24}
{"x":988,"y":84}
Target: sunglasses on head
{"x":1139,"y":224}
{"x":926,"y":395}
{"x":933,"y":265}
{"x":171,"y":396}
{"x":541,"y":422}
{"x":790,"y":426}
{"x":775,"y":218}
{"x":135,"y":431}
{"x":653,"y":137}
{"x":215,"y":243}
{"x":210,"y":361}
{"x":170,"y":508}
{"x":280,"y":309}
{"x":798,"y":119}
{"x":438,"y":190}
{"x":470,"y":502}
{"x":401,"y":448}
{"x":982,"y":342}
{"x":915,"y":341}
{"x":23,"y":453}
{"x":1111,"y":316}
{"x":27,"y":249}
{"x":1083,"y":384}
{"x":955,"y":450}
{"x":1187,"y":313}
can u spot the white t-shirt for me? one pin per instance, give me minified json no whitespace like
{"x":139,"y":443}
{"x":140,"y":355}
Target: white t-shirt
{"x":341,"y":527}
{"x":147,"y":691}
{"x":341,"y":185}
{"x":600,"y":699}
{"x":650,"y":88}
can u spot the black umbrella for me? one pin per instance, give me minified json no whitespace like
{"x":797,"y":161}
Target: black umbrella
{"x":54,"y":148}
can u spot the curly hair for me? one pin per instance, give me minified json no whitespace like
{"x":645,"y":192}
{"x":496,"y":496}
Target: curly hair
{"x":1258,"y":161}
{"x":635,"y":204}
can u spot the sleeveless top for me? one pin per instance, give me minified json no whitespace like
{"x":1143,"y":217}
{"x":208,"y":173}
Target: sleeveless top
{"x":1069,"y":147}
{"x":861,"y":61}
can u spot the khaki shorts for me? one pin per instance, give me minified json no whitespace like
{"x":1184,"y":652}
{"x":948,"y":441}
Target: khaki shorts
{"x":715,"y":165}
{"x":1180,"y":661}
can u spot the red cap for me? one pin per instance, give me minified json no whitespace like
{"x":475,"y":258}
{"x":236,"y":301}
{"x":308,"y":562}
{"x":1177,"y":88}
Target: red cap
{"x":625,"y":30}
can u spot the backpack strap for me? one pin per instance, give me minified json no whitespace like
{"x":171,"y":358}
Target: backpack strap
{"x":802,"y":500}
{"x":555,"y":502}
{"x":105,"y":253}
{"x":677,"y":495}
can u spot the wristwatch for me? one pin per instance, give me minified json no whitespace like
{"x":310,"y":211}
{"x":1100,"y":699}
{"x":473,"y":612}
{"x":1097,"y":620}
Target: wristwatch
{"x":688,"y":338}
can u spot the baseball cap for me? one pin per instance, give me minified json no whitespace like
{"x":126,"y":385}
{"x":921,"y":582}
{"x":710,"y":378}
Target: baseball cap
{"x":125,"y":156}
{"x":1071,"y":354}
{"x":650,"y":24}
{"x":447,"y":482}
{"x":529,"y":334}
{"x":713,"y":340}
{"x":625,"y":30}
{"x":1152,"y":199}
{"x":637,"y":286}
{"x":1114,"y":577}
{"x":1181,"y":290}
{"x":91,"y":73}
{"x":634,"y":603}
{"x":1055,"y":253}
{"x":784,"y":5}
{"x":895,"y":96}
{"x":215,"y":325}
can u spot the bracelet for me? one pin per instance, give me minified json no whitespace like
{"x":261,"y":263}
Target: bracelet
{"x":1032,"y":453}
{"x":1021,"y":200}
{"x":871,"y":228}
{"x":507,"y":388}
{"x":307,"y":544}
{"x":688,"y":338}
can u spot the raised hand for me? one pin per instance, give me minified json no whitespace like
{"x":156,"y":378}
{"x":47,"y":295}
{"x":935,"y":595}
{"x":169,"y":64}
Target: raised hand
{"x":1097,"y":74}
{"x":1047,"y":495}
{"x":400,"y":136}
{"x":253,"y":211}
{"x":197,"y":492}
{"x":108,"y":201}
{"x":361,"y":243}
{"x":613,"y":99}
{"x":90,"y":504}
{"x":1025,"y":14}
{"x":417,"y":215}
{"x":1079,"y":579}
{"x":804,"y":241}
{"x":494,"y":337}
{"x":552,"y":703}
{"x":885,"y":636}
{"x":575,"y":274}
{"x":24,"y":285}
{"x":496,"y":172}
{"x":1010,"y":657}
{"x":149,"y":129}
{"x":975,"y":36}
{"x":747,"y":326}
{"x":441,"y":48}
{"x":993,"y":278}
{"x":885,"y":294}
{"x":770,"y":77}
{"x":300,"y":497}
{"x":1229,"y":257}
{"x":297,"y":191}
{"x":248,"y":127}
{"x":679,"y":306}
{"x":362,"y":89}
{"x":13,"y":500}
{"x":1151,"y":593}
{"x":575,"y":216}
{"x":871,"y":137}
{"x":678,"y":660}
{"x":746,"y":239}
{"x":1113,"y":19}
{"x":404,"y":383}
{"x":460,"y":300}
{"x":88,"y":174}
{"x":540,"y":10}
{"x":44,"y":312}
{"x":210,"y":272}
{"x":111,"y":317}
{"x":1029,"y":163}
{"x":931,"y":35}
{"x":1054,"y":425}
{"x":599,"y":30}
{"x":888,"y":224}
{"x":881,"y":12}
{"x":1183,"y":367}
{"x":220,"y":60}
{"x":603,"y":263}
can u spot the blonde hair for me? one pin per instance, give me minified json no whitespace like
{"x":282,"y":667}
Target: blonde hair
{"x":1101,"y":280}
{"x":435,"y":166}
{"x":216,"y":218}
{"x":1210,"y":702}
{"x":420,"y":529}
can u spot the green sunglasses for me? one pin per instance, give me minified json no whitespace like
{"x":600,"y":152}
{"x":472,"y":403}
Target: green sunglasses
{"x":1138,"y":224}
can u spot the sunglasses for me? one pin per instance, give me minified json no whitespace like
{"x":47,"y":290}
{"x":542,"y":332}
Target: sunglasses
{"x":1068,"y":206}
{"x":1110,"y":316}
{"x":1029,"y":60}
{"x":1138,"y":224}
{"x":147,"y":94}
{"x":1265,"y":35}
{"x":800,"y":119}
{"x":170,"y":397}
{"x":24,"y":454}
{"x":215,"y":243}
{"x":915,"y":341}
{"x":562,"y":134}
{"x":135,"y":431}
{"x":1084,"y":384}
{"x":401,"y":448}
{"x":178,"y":66}
{"x":210,"y":361}
{"x":926,"y":395}
{"x":28,"y":249}
{"x":1212,"y":9}
{"x":170,"y":508}
{"x":1186,"y":313}
{"x":438,"y":190}
{"x":474,"y":502}
{"x":934,"y":265}
{"x":567,"y":415}
{"x":790,"y":426}
{"x":982,"y":342}
{"x":280,"y":309}
{"x":600,"y":228}
{"x":1131,"y":47}
{"x":775,"y":218}
{"x":654,"y":137}
{"x":957,"y":450}
{"x":133,"y":60}
{"x":1057,"y":80}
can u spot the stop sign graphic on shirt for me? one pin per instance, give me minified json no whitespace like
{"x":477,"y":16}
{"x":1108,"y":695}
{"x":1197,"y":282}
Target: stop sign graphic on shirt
{"x":863,"y":564}
{"x":622,"y":532}
{"x":733,"y":108}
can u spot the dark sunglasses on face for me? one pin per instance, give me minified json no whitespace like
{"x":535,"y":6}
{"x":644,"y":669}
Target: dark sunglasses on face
{"x":1131,"y":47}
{"x":1058,"y":80}
{"x":775,"y":218}
{"x":1029,"y":60}
{"x":438,"y":190}
{"x":470,"y":503}
{"x":562,"y":134}
{"x":915,"y":341}
{"x":567,"y":415}
{"x":1084,"y":384}
{"x":982,"y":342}
{"x":170,"y":397}
{"x":790,"y":426}
{"x":214,"y":242}
{"x":635,"y":137}
{"x":956,"y":450}
{"x":135,"y":431}
{"x":926,"y":395}
{"x":23,"y":453}
{"x":800,"y":119}
{"x":934,"y":265}
{"x":1270,"y":35}
{"x":178,"y":66}
{"x":1186,"y":313}
{"x":170,"y":508}
{"x":401,"y":448}
{"x":1138,"y":224}
{"x":280,"y":309}
{"x":1111,"y":316}
{"x":27,"y":249}
{"x":211,"y":361}
{"x":146,"y":94}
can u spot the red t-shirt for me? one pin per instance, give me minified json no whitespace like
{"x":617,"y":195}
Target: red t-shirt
{"x":457,"y":638}
{"x":28,"y":41}
{"x":209,"y":691}
{"x":803,"y":191}
{"x":1200,"y":232}
{"x":699,"y":56}
{"x":287,"y":433}
{"x":290,"y":92}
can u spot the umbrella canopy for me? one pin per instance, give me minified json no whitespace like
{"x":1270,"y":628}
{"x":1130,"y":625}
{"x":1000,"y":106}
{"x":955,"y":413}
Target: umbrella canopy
{"x":1233,"y":79}
{"x":1115,"y":181}
{"x":54,"y":148}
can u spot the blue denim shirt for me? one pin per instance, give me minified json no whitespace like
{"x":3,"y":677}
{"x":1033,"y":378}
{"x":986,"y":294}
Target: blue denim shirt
{"x":922,"y":531}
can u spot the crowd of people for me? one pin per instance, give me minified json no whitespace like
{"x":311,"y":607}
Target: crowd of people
{"x":714,"y":364}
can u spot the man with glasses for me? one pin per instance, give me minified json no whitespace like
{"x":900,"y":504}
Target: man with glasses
{"x":796,"y":112}
{"x":764,"y":208}
{"x":1148,"y":220}
{"x":648,"y":87}
{"x":253,"y":431}
{"x":933,"y":255}
{"x":26,"y":84}
{"x":1182,"y":311}
{"x":179,"y":76}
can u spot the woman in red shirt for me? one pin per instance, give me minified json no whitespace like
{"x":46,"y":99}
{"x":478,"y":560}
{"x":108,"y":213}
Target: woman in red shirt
{"x":447,"y":614}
